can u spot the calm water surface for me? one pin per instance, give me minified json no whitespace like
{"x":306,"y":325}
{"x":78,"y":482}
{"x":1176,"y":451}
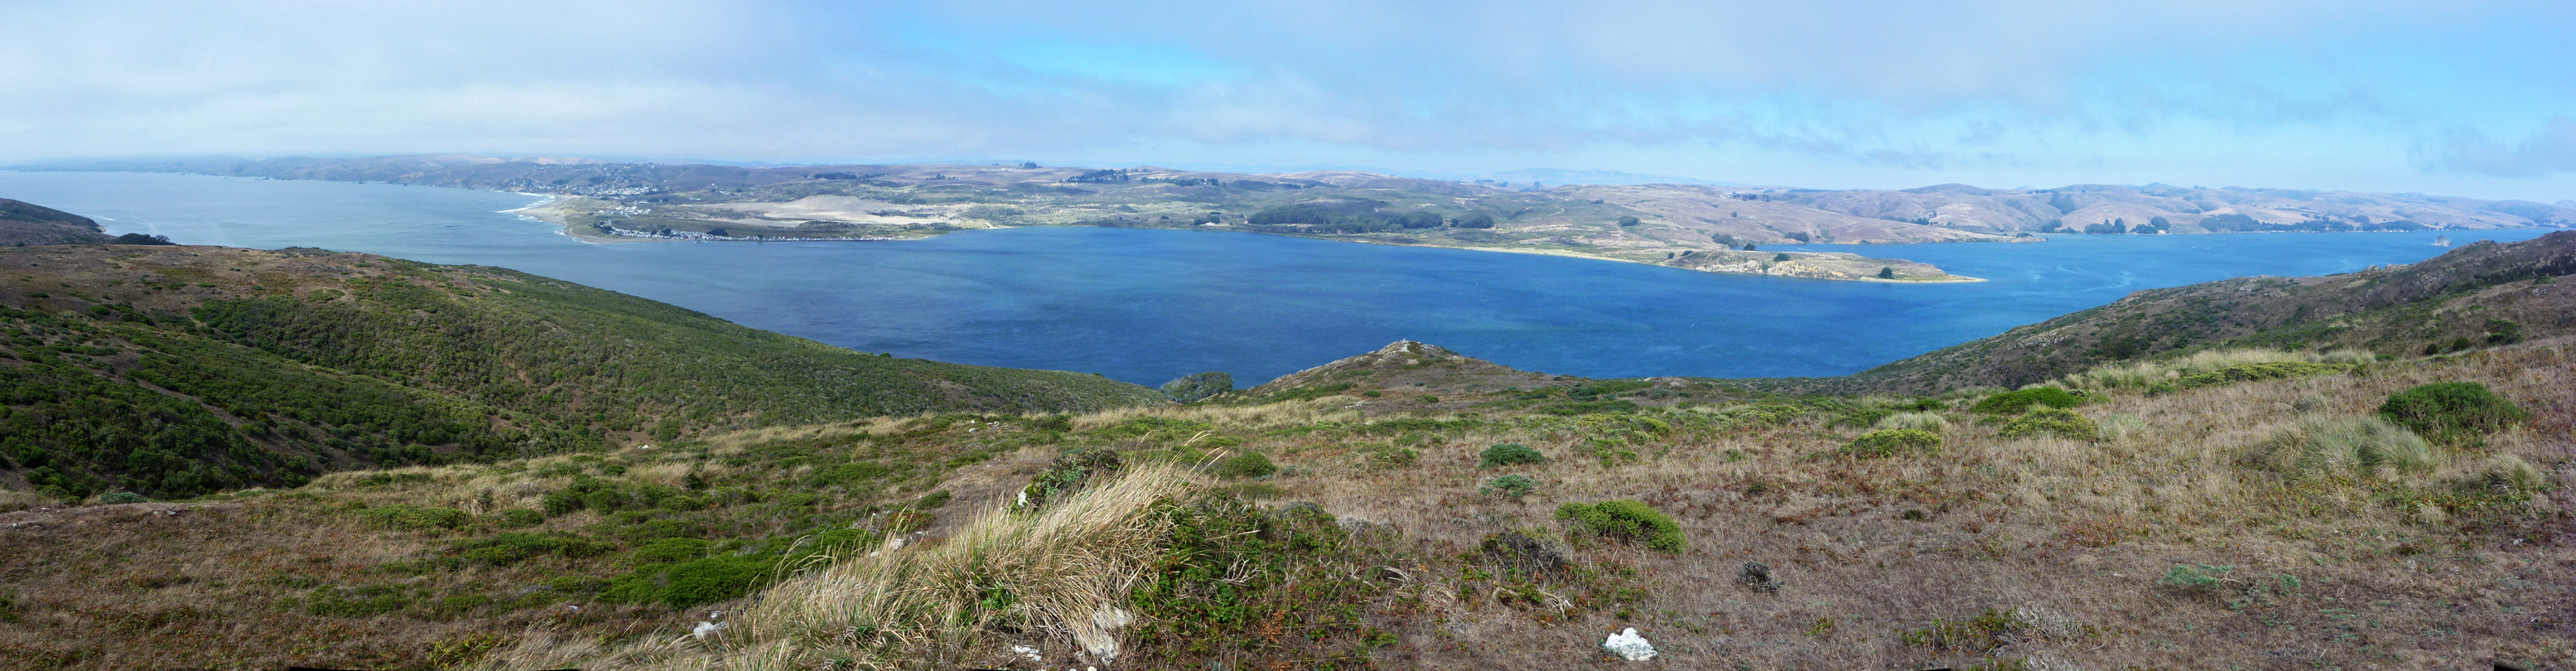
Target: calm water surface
{"x":1145,"y":306}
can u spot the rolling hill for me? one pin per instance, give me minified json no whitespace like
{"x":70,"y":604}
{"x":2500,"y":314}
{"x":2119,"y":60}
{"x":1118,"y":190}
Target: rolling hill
{"x":176,"y":371}
{"x":2474,"y":295}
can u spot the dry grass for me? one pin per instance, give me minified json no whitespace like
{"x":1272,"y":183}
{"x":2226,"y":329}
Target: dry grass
{"x":2144,"y":374}
{"x":2388,"y":568}
{"x":12,"y":500}
{"x":1059,"y":575}
{"x":1244,"y":417}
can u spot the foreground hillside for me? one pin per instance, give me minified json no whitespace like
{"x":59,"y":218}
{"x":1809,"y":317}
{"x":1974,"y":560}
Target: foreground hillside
{"x":2264,"y":523}
{"x":2477,"y":295}
{"x":177,"y":371}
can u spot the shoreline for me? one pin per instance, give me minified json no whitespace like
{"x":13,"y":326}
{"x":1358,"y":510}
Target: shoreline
{"x":552,"y":210}
{"x":1950,"y":278}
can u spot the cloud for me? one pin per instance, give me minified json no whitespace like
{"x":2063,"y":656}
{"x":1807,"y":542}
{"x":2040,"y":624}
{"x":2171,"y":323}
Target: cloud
{"x":2549,"y":151}
{"x":1687,"y":86}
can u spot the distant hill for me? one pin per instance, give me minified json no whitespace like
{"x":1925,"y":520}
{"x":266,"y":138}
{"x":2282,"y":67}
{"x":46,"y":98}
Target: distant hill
{"x":175,"y":371}
{"x":2476,"y":294}
{"x":23,"y":223}
{"x":1580,"y":206}
{"x":1561,"y":177}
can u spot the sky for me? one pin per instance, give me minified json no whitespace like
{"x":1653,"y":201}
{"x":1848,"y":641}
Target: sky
{"x":2453,"y":97}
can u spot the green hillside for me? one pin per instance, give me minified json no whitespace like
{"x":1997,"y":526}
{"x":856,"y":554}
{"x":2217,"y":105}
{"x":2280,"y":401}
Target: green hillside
{"x":175,"y":371}
{"x":2476,"y":295}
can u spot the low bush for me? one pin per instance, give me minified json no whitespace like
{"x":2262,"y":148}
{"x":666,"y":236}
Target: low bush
{"x":1510,"y":486}
{"x":1892,"y":442}
{"x":2013,"y":402}
{"x":2452,"y":410}
{"x":668,"y":551}
{"x":1626,"y":520}
{"x":399,"y":516}
{"x":1245,"y":465}
{"x":1510,"y":454}
{"x":518,"y":518}
{"x":718,"y":578}
{"x":1068,"y":474}
{"x":2046,"y":421}
{"x":2323,"y":447}
{"x":516,"y":546}
{"x":123,"y":497}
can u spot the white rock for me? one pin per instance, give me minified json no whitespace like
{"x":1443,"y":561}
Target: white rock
{"x":1629,"y":646}
{"x":1026,"y":651}
{"x":1101,"y":638}
{"x":706,"y":629}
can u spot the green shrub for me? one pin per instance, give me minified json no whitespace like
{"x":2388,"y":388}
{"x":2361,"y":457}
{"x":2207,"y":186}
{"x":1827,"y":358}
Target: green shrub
{"x":123,"y":497}
{"x":1510,"y":486}
{"x":1626,"y":520}
{"x":2452,"y":410}
{"x":399,"y":516}
{"x":1068,"y":474}
{"x":513,"y":547}
{"x":1245,"y":465}
{"x":667,"y":551}
{"x":714,"y":579}
{"x":518,"y":518}
{"x":1510,"y":454}
{"x":2364,"y":446}
{"x":2013,"y":402}
{"x":2198,"y":577}
{"x":1892,"y":442}
{"x":2060,"y":421}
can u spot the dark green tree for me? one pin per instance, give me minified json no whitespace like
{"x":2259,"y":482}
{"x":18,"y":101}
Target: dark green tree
{"x":1886,"y":273}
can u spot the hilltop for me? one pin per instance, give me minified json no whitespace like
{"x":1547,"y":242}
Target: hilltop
{"x":23,"y":224}
{"x":176,"y":371}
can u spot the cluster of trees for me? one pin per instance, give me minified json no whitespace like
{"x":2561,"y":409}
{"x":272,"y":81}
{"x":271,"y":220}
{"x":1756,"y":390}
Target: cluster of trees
{"x":1099,"y":176}
{"x":2239,"y":222}
{"x":2116,"y":226}
{"x":2232,"y":223}
{"x":1184,"y":181}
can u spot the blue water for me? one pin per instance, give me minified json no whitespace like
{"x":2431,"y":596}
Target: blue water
{"x":1146,"y":306}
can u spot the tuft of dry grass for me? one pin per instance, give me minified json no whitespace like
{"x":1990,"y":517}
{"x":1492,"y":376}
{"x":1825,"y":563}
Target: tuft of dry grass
{"x":1061,"y":572}
{"x":12,"y":500}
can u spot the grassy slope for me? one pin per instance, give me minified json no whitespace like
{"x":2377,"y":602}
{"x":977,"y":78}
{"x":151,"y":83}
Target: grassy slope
{"x":2391,"y":310}
{"x":176,"y":371}
{"x":2068,"y":542}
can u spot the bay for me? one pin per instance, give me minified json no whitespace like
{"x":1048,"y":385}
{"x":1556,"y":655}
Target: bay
{"x":1145,"y":306}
